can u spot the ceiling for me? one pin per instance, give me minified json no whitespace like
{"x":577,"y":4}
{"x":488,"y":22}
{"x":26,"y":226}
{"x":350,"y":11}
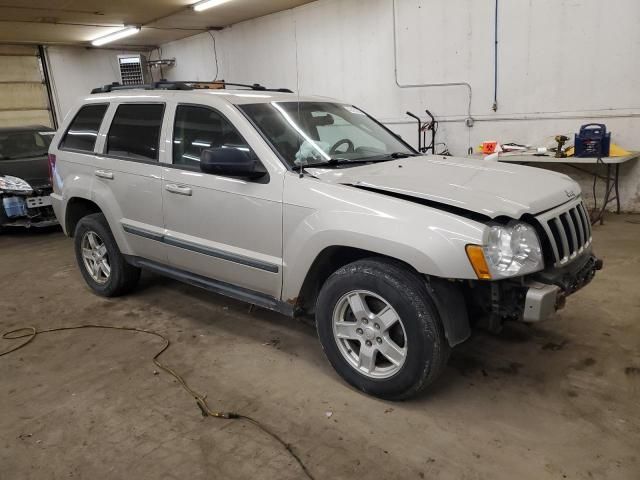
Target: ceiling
{"x":77,"y":22}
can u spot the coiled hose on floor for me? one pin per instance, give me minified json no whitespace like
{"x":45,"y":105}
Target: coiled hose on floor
{"x":30,"y":333}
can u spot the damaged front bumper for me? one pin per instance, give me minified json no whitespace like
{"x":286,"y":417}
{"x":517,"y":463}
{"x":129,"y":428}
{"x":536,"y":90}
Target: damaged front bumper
{"x":541,"y":301}
{"x":547,"y":291}
{"x":28,"y":210}
{"x":533,"y":298}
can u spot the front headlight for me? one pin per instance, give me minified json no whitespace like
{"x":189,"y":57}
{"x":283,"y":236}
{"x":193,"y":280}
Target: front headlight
{"x":509,"y":251}
{"x":14,"y":185}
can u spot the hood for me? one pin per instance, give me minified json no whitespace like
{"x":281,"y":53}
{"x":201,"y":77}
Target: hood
{"x":33,"y":170}
{"x":485,"y":187}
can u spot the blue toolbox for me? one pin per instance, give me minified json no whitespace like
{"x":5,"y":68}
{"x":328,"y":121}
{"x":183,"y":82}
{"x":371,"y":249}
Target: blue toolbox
{"x":593,"y":141}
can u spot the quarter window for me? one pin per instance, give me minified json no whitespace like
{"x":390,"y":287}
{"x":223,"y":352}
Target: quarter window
{"x":135,"y":131}
{"x":83,"y":131}
{"x":200,"y":128}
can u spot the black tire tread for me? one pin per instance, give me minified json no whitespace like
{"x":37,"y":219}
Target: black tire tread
{"x":124,"y":276}
{"x":400,"y":276}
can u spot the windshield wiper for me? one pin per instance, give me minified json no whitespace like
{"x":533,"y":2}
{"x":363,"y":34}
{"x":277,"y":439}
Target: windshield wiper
{"x":395,"y":156}
{"x":344,"y":161}
{"x":332,"y":162}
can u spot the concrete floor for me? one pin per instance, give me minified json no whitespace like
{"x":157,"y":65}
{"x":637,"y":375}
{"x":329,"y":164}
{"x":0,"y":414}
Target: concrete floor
{"x":558,"y":400}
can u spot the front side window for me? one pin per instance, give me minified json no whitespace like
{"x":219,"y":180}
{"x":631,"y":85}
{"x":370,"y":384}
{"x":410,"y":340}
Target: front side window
{"x":83,"y":131}
{"x":307,"y":133}
{"x":14,"y":145}
{"x":135,"y":131}
{"x":200,"y":128}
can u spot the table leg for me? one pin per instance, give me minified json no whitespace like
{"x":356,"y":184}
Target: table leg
{"x":616,"y":183}
{"x":606,"y":194}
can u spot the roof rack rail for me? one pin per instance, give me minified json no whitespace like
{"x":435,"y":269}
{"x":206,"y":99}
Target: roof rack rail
{"x":185,"y":85}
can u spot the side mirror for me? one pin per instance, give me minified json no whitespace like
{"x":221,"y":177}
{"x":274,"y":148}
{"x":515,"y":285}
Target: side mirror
{"x":231,"y":162}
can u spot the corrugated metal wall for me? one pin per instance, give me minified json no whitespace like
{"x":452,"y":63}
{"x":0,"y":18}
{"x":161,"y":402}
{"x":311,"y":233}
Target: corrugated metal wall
{"x":23,"y":93}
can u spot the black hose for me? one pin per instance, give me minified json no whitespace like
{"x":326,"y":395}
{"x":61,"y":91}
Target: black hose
{"x":30,"y":333}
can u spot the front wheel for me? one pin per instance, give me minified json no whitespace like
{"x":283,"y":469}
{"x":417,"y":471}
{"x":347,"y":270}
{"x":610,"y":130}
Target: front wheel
{"x":380,"y":328}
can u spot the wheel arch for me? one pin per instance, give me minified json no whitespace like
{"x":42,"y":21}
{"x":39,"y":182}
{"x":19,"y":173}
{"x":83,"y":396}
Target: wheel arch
{"x":77,"y":208}
{"x":326,"y":262}
{"x":447,"y":295}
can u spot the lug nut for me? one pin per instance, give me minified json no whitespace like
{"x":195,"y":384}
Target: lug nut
{"x":359,"y":331}
{"x":368,"y":343}
{"x":365,"y":321}
{"x":377,"y":325}
{"x":379,"y":340}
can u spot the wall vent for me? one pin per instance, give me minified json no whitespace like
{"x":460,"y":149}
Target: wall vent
{"x":133,"y":69}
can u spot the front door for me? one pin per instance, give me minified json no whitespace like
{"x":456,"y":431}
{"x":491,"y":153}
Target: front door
{"x":227,"y":229}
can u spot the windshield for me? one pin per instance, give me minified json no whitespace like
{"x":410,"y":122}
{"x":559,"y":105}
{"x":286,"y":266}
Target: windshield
{"x":317,"y":133}
{"x":24,"y":144}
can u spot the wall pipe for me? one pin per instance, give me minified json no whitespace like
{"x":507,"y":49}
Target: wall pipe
{"x":528,"y":118}
{"x":425,"y":85}
{"x":495,"y":60}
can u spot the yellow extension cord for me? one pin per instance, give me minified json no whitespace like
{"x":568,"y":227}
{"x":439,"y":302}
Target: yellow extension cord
{"x":30,"y":333}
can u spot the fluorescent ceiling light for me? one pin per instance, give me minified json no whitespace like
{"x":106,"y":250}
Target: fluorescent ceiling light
{"x":206,"y":4}
{"x":112,"y":37}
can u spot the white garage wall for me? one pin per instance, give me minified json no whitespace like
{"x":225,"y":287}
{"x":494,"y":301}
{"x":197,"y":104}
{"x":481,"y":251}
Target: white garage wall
{"x":75,"y":71}
{"x":562,"y":63}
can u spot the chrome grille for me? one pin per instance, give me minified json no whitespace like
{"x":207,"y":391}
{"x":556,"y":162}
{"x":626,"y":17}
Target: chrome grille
{"x":568,"y":231}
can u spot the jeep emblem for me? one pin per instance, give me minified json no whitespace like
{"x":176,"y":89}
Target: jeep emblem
{"x":570,"y":193}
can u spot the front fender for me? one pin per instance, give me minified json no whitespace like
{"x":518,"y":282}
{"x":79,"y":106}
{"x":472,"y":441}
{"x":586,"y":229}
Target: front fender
{"x":430,"y":240}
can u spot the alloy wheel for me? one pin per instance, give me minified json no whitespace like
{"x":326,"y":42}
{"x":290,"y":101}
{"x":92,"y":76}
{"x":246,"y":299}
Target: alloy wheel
{"x":95,"y":257}
{"x":370,"y":334}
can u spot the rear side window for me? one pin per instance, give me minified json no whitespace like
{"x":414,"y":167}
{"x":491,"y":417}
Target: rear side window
{"x":83,"y":131}
{"x":135,"y":131}
{"x":200,"y":128}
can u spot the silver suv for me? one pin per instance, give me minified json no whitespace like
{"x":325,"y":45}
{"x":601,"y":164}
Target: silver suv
{"x":309,"y":206}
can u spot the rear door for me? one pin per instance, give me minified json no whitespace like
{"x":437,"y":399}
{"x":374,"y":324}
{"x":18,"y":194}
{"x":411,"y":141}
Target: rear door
{"x":128,"y":184}
{"x":225,"y":228}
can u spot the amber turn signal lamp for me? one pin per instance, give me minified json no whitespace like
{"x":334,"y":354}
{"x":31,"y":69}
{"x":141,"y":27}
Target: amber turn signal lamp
{"x":479,"y":264}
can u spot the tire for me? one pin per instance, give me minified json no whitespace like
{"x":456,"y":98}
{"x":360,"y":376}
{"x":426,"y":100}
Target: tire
{"x":122,"y":277}
{"x":392,"y":291}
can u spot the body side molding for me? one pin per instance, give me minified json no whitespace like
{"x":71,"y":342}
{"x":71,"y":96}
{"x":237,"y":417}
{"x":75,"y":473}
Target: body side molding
{"x":212,"y":252}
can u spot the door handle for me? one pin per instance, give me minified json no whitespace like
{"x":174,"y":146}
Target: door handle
{"x":104,"y":174}
{"x":179,"y":190}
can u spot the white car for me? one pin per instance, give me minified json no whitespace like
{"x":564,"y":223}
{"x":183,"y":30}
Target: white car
{"x":309,"y":206}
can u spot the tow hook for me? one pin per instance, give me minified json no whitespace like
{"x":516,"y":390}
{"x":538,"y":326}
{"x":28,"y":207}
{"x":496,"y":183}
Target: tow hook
{"x":598,"y":264}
